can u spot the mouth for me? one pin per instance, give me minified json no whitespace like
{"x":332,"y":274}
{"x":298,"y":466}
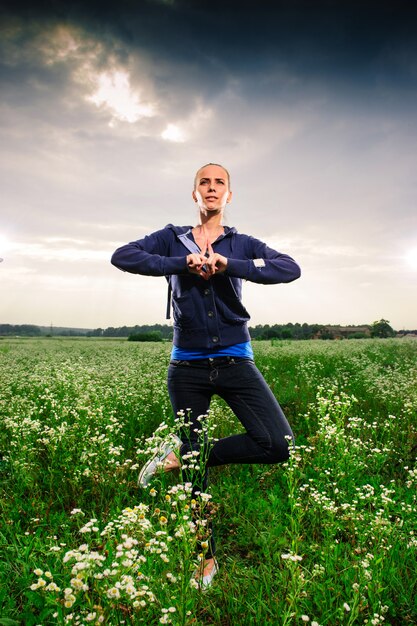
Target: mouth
{"x":211,"y":198}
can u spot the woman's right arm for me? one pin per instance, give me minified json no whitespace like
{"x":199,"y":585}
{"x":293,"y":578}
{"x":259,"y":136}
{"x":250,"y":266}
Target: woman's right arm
{"x":150,"y":256}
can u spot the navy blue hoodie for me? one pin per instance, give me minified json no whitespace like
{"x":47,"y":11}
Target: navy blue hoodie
{"x":207,"y":314}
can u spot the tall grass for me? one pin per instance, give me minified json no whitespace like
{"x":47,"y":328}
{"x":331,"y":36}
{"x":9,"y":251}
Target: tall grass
{"x":328,"y":538}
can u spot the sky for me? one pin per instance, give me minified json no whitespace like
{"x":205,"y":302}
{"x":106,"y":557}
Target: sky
{"x":109,"y":108}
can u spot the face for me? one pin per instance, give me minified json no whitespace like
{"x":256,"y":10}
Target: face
{"x":212,"y":191}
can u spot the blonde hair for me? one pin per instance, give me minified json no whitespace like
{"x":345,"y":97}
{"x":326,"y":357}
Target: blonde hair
{"x":217,"y":165}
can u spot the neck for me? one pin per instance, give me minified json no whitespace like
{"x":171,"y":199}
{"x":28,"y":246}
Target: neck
{"x":211,"y":222}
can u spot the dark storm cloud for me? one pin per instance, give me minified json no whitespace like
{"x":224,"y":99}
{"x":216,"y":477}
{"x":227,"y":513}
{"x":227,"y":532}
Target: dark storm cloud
{"x":354,"y":40}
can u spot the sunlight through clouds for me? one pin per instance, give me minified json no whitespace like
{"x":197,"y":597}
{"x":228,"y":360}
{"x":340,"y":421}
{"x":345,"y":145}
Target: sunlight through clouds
{"x":4,"y":244}
{"x":173,"y":133}
{"x":195,"y":123}
{"x":116,"y":94}
{"x":111,"y":89}
{"x":411,"y":258}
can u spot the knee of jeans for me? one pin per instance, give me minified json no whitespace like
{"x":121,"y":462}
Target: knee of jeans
{"x":279,"y":450}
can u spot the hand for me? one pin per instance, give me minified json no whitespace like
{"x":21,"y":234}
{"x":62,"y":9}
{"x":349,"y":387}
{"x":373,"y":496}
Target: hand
{"x":216,"y":263}
{"x":195,"y":263}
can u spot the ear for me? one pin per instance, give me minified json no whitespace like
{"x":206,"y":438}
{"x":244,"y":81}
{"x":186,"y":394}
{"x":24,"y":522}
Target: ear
{"x":229,"y":197}
{"x":194,"y":196}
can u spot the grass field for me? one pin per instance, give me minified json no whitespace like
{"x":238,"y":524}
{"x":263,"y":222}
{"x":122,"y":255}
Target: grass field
{"x":329,"y":538}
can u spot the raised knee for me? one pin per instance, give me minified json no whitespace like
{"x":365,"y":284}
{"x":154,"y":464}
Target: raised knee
{"x":279,"y":451}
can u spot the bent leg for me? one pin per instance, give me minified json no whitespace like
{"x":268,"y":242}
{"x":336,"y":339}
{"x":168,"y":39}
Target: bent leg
{"x":268,"y":433}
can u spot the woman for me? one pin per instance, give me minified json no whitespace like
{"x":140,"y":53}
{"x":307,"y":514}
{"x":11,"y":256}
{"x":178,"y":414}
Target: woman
{"x":212,"y":352}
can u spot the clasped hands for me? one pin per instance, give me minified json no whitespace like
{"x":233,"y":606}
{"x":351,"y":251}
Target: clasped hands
{"x":204,"y":266}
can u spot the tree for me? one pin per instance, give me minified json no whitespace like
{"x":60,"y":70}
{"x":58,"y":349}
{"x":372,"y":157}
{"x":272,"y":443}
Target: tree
{"x":382,"y":329}
{"x":151,"y":335}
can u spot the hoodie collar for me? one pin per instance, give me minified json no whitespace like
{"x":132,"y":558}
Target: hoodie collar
{"x":181,"y":230}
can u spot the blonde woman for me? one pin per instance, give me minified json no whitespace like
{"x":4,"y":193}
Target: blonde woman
{"x":212,"y":354}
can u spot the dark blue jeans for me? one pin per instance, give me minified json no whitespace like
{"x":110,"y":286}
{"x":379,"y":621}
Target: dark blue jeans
{"x":191,"y":385}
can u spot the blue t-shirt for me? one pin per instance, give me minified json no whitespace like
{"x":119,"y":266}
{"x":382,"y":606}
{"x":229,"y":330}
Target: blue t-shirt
{"x":238,"y":349}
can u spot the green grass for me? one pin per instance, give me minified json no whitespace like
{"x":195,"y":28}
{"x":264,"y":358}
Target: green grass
{"x":329,"y":537}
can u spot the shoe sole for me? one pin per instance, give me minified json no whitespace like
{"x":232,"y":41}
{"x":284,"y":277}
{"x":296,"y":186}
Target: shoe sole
{"x":145,"y":475}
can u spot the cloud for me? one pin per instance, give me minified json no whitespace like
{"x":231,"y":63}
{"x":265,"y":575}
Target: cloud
{"x":56,"y":249}
{"x":173,"y":133}
{"x":115,"y":93}
{"x":96,"y":68}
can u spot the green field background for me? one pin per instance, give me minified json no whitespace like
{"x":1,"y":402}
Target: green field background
{"x":329,"y":538}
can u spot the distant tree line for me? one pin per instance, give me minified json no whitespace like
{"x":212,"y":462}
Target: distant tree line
{"x":23,"y":330}
{"x":151,"y":335}
{"x":380,"y":328}
{"x":285,"y":331}
{"x":163,"y":332}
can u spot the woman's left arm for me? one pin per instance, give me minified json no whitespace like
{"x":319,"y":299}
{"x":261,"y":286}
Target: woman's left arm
{"x":263,"y":264}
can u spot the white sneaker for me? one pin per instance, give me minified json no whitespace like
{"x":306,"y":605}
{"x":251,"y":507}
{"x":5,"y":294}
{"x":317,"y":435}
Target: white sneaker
{"x":206,"y":581}
{"x":151,"y":467}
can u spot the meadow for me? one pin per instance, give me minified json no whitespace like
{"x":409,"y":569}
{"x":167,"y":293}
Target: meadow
{"x":329,"y":538}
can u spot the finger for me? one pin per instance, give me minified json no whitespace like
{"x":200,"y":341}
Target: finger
{"x":196,"y":260}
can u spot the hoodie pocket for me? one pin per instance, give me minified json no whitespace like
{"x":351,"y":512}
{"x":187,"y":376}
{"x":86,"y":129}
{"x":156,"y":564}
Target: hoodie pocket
{"x":184,"y":310}
{"x":232,"y":310}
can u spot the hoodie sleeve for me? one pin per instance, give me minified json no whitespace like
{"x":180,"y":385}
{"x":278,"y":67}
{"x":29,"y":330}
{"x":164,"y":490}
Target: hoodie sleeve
{"x":263,"y":265}
{"x":150,"y":256}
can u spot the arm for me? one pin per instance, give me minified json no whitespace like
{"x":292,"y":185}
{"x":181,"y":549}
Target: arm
{"x":263,"y":265}
{"x":149,"y":256}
